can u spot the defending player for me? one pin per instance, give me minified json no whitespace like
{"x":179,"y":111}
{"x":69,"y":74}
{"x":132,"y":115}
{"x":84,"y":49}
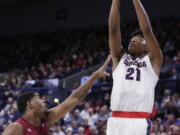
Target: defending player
{"x":36,"y":118}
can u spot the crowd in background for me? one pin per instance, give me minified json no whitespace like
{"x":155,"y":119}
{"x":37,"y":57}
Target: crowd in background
{"x":63,"y":53}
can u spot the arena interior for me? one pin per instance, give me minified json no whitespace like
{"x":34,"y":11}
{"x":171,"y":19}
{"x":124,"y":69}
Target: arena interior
{"x":52,"y":46}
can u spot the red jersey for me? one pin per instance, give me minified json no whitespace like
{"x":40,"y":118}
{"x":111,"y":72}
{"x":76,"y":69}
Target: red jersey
{"x":30,"y":129}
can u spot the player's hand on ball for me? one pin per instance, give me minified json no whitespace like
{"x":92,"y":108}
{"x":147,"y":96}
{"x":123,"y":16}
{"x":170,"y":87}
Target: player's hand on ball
{"x":101,"y":72}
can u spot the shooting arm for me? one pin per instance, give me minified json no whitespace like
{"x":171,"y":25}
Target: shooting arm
{"x":152,"y":43}
{"x":115,"y":44}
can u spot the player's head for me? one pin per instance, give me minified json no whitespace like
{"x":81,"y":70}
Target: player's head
{"x":137,"y":46}
{"x":31,"y":102}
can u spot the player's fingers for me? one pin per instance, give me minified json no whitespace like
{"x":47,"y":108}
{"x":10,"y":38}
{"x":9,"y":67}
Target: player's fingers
{"x":106,"y":74}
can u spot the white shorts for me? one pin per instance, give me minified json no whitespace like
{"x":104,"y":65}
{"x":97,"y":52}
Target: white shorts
{"x":128,"y":126}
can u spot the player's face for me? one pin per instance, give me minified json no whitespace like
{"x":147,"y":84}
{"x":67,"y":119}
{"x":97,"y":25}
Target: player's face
{"x":38,"y":105}
{"x":137,"y":46}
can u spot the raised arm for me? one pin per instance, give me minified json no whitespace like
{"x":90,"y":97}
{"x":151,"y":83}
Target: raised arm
{"x":115,"y":44}
{"x":152,"y":43}
{"x":58,"y":112}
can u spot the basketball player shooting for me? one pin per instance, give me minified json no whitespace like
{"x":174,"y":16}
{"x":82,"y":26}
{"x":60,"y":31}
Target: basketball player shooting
{"x":135,"y":74}
{"x":36,"y":118}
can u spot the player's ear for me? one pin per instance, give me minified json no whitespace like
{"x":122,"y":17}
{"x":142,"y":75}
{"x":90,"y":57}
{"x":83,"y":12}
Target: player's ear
{"x":29,"y":105}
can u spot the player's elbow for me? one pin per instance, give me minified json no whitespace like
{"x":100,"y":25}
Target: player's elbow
{"x":113,"y":27}
{"x":146,"y":30}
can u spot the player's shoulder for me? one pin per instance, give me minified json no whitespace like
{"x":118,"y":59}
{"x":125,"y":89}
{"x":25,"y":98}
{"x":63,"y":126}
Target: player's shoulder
{"x":14,"y":128}
{"x":123,"y":54}
{"x":14,"y":125}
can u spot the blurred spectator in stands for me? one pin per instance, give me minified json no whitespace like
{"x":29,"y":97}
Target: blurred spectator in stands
{"x":58,"y":130}
{"x":81,"y":131}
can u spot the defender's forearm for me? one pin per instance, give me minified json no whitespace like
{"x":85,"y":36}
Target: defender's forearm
{"x":82,"y":91}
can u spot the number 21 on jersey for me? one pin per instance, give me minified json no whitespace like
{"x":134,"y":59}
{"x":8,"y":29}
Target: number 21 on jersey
{"x":131,"y":71}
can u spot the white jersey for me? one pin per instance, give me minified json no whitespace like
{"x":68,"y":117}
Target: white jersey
{"x":134,"y":84}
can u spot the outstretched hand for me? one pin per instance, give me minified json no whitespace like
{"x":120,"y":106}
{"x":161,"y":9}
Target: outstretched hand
{"x":101,"y":72}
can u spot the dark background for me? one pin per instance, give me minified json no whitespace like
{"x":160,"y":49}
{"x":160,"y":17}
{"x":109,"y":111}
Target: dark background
{"x":19,"y":16}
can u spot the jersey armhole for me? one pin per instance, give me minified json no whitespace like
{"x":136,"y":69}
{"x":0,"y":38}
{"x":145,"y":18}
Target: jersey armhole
{"x":123,"y":55}
{"x":151,"y":67}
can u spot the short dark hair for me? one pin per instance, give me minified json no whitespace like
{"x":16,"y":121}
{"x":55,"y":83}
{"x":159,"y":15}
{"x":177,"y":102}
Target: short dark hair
{"x":23,"y":99}
{"x":137,"y":32}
